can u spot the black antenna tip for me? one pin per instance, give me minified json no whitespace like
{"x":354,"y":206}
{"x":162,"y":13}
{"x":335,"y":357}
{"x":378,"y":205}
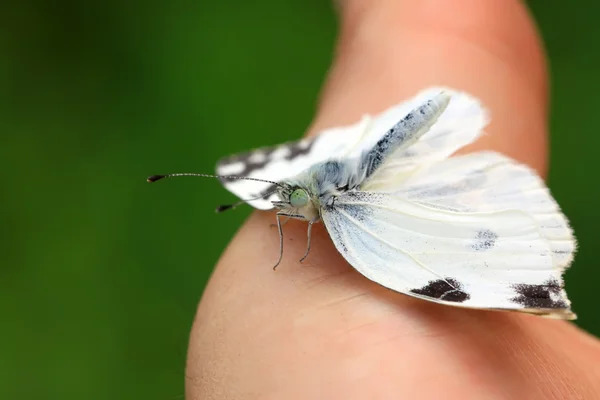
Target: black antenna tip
{"x":224,"y":208}
{"x":155,"y":178}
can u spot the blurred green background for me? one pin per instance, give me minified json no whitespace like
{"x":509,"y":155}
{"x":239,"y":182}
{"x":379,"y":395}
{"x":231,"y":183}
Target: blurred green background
{"x":100,"y":273}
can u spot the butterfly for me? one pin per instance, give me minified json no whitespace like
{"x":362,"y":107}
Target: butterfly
{"x":478,"y":230}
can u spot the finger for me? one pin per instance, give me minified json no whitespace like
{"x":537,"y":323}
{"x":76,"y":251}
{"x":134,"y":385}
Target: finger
{"x":487,"y":48}
{"x":302,"y":330}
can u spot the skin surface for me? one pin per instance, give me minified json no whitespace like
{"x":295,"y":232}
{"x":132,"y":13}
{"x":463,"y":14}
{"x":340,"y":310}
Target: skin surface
{"x":319,"y":330}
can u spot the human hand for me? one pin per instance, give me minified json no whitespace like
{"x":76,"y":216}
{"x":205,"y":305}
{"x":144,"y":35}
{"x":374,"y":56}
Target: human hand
{"x":321,"y":330}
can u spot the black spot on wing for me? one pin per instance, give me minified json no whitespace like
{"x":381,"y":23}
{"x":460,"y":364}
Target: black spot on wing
{"x":484,"y":240}
{"x":265,"y":156}
{"x":447,"y":289}
{"x":547,"y":295}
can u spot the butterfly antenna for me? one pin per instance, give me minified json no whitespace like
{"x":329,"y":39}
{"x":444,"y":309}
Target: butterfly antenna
{"x":225,"y":207}
{"x":155,"y":178}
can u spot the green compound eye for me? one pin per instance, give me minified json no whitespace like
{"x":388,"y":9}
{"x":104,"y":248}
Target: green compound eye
{"x":299,"y":198}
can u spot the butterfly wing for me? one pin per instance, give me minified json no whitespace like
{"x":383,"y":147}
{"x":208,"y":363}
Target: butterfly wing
{"x":287,"y":160}
{"x":498,"y":258}
{"x":461,"y":123}
{"x":487,"y":182}
{"x":284,"y":161}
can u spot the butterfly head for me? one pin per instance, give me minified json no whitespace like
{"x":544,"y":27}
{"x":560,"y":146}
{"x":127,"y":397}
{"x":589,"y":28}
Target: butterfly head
{"x":296,"y":200}
{"x":299,"y":198}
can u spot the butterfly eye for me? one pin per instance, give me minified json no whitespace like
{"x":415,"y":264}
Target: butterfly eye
{"x":299,"y":198}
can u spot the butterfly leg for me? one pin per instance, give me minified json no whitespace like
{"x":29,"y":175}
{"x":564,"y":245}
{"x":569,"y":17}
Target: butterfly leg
{"x":283,"y":224}
{"x":279,"y":225}
{"x":310,"y":224}
{"x":280,"y":239}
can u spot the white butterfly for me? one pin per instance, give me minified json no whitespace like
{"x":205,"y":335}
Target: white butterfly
{"x":477,"y":230}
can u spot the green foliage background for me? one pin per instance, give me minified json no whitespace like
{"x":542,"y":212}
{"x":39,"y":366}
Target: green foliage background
{"x":100,"y":273}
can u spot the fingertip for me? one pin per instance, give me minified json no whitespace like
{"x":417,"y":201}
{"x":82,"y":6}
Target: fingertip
{"x":388,"y":50}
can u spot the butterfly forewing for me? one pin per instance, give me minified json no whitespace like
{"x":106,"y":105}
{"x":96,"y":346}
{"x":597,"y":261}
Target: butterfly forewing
{"x":496,"y":259}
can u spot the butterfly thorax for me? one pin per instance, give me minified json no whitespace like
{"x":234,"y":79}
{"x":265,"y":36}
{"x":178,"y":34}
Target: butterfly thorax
{"x":316,"y":188}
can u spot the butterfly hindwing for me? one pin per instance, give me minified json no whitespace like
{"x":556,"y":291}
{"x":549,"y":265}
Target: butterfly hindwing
{"x":461,"y":123}
{"x":487,"y":181}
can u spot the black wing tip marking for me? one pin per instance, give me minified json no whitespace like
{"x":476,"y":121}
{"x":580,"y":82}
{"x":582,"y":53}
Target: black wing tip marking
{"x":447,"y":289}
{"x":547,"y":295}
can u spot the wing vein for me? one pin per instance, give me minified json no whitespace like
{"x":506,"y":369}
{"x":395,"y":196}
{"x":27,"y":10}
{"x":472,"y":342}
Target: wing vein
{"x":393,"y":246}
